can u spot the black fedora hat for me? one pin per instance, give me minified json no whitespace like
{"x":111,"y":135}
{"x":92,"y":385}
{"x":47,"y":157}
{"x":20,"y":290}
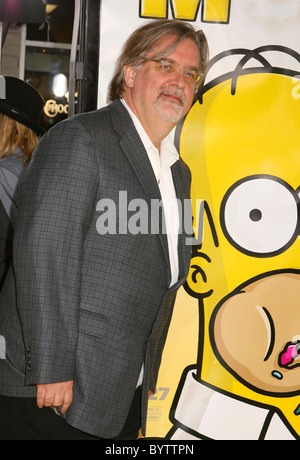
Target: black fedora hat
{"x":21,"y":102}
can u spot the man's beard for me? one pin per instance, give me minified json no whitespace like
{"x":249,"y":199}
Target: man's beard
{"x":169,"y":110}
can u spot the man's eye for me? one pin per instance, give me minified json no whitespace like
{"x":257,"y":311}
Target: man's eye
{"x":167,"y":67}
{"x":191,"y":74}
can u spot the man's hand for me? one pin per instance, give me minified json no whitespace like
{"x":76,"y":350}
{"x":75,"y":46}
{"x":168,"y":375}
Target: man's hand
{"x":55,"y":394}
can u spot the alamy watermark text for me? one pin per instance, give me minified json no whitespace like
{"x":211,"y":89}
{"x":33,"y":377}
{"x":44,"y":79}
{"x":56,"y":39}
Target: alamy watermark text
{"x":137,"y":217}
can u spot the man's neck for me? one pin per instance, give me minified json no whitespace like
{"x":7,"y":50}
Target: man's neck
{"x":156,"y":129}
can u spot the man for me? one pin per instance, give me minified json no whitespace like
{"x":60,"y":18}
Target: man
{"x":94,"y":306}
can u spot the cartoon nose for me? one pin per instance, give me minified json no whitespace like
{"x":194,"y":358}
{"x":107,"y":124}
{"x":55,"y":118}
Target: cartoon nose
{"x":289,"y":358}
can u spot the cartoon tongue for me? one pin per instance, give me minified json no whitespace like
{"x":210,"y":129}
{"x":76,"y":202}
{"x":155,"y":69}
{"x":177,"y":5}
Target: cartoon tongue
{"x":290,"y":353}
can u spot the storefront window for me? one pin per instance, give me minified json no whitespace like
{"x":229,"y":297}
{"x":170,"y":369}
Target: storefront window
{"x":46,"y":59}
{"x":47,"y":70}
{"x":58,"y":25}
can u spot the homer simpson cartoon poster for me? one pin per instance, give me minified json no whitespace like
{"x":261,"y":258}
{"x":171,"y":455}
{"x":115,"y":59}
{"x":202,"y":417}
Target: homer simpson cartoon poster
{"x":231,"y":365}
{"x":245,"y":271}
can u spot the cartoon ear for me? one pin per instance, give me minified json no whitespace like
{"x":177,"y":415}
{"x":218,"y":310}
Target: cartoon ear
{"x":197,"y":284}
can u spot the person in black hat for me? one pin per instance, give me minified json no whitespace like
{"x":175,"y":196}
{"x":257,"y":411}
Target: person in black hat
{"x":20,"y":110}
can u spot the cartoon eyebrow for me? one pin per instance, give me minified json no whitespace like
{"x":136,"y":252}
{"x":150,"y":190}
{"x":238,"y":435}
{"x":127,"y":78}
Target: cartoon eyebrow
{"x":267,"y":318}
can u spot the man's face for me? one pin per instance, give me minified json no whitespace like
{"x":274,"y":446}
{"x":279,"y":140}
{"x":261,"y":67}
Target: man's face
{"x":155,"y":96}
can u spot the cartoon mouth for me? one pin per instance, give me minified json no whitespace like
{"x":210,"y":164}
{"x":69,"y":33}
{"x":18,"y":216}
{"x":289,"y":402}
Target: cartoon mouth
{"x":289,"y":358}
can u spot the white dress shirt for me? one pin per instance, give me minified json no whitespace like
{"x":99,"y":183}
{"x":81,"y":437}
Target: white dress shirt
{"x":161,"y":163}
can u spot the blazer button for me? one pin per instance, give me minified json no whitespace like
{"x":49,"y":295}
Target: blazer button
{"x":28,"y":359}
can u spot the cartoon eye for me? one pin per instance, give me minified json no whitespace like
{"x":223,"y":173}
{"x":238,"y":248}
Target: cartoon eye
{"x":259,"y":216}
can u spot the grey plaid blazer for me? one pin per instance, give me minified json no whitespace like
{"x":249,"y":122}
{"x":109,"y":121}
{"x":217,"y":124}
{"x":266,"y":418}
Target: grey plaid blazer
{"x":82,"y":306}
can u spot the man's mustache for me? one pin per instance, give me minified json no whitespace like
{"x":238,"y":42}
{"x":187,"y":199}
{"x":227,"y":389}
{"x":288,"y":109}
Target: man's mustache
{"x":178,"y":93}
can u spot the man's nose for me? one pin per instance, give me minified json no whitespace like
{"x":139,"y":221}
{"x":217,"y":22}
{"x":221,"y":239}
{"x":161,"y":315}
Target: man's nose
{"x":179,"y":79}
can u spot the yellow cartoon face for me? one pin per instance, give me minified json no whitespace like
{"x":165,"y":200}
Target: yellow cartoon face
{"x":244,"y":154}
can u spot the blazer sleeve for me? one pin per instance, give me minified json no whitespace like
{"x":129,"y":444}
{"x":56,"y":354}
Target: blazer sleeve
{"x":6,"y":239}
{"x":56,"y":208}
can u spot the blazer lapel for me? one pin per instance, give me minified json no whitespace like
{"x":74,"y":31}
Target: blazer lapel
{"x":133,"y":148}
{"x":182,"y":187}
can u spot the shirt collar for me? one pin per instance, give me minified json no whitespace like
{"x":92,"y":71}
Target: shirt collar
{"x":168,"y":153}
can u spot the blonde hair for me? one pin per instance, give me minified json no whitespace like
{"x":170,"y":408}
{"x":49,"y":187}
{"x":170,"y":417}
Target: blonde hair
{"x":15,"y":135}
{"x":144,"y":39}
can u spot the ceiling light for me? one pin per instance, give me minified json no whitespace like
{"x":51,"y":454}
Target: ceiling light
{"x":50,"y":8}
{"x":60,"y":85}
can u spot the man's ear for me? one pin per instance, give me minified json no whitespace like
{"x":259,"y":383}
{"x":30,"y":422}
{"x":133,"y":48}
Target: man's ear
{"x":129,"y":75}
